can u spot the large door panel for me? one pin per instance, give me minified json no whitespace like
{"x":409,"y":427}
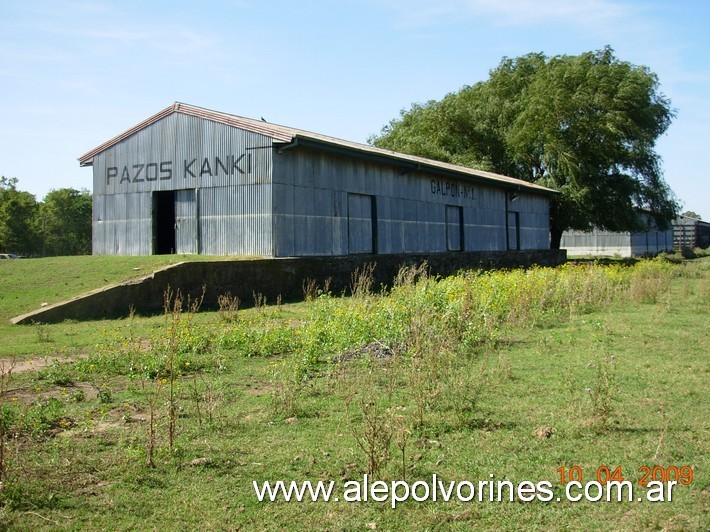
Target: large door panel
{"x":361,"y":224}
{"x":454,"y":228}
{"x":185,"y":222}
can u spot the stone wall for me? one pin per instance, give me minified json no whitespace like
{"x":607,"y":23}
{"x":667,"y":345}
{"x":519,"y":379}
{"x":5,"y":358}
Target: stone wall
{"x":268,"y":277}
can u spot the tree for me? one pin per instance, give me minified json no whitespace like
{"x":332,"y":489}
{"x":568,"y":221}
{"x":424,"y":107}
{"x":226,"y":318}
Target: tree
{"x":65,"y":217}
{"x":584,"y":125}
{"x":692,"y":214}
{"x":18,"y":213}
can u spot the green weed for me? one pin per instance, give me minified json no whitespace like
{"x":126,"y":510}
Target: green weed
{"x":454,"y":376}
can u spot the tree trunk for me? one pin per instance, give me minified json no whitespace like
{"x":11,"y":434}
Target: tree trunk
{"x":555,"y":236}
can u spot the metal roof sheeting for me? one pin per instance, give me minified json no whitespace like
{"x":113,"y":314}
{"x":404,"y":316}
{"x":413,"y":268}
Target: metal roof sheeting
{"x":288,"y":137}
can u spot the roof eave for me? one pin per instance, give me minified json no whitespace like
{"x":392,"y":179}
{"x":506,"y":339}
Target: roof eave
{"x":408,"y":165}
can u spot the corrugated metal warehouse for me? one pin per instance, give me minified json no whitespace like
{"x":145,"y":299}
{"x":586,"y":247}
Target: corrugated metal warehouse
{"x":689,"y":233}
{"x":598,"y":243}
{"x":191,"y":180}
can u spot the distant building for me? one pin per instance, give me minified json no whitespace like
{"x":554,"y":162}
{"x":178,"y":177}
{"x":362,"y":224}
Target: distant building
{"x":191,"y":180}
{"x":598,"y":243}
{"x":690,"y":233}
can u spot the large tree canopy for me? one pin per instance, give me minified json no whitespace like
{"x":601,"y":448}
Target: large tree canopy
{"x":584,"y":125}
{"x":692,"y":214}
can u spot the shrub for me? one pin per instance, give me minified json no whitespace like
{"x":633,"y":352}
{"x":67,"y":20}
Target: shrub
{"x":468,"y":310}
{"x":249,"y":340}
{"x":42,"y":416}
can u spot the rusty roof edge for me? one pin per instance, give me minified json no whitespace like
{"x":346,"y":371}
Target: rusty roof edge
{"x":277,"y":132}
{"x":86,"y":159}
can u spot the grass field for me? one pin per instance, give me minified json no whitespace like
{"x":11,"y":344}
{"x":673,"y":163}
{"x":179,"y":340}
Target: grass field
{"x":166,"y":421}
{"x":26,"y":285}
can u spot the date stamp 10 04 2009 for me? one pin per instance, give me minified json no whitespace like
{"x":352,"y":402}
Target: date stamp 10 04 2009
{"x":604,"y":474}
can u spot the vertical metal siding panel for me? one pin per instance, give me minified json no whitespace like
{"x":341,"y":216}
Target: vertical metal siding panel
{"x":98,"y":227}
{"x":597,"y":243}
{"x":121,"y":225}
{"x":176,"y":141}
{"x":185,"y":222}
{"x":134,"y":226}
{"x":236,"y":220}
{"x":341,"y":230}
{"x":638,"y":243}
{"x":423,"y":222}
{"x":411,"y":212}
{"x":359,"y":223}
{"x":111,"y":221}
{"x":147,"y":210}
{"x":412,"y":229}
{"x":534,"y":220}
{"x":668,"y":240}
{"x":210,"y":237}
{"x":398,"y":242}
{"x":513,"y":230}
{"x":322,"y":222}
{"x":282,"y":219}
{"x":487,"y":221}
{"x":384,"y":225}
{"x":121,"y":228}
{"x":453,"y":228}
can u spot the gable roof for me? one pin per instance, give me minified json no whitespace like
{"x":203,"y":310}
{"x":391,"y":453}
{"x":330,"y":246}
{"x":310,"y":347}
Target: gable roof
{"x":288,"y":138}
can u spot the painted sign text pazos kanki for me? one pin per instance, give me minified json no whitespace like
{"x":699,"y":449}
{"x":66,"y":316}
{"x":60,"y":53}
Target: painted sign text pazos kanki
{"x":191,"y":168}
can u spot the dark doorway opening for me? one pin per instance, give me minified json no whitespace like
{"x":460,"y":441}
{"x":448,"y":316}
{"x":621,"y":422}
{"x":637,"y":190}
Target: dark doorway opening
{"x":362,"y":224}
{"x":454,"y":228}
{"x":164,"y":222}
{"x":513,"y":230}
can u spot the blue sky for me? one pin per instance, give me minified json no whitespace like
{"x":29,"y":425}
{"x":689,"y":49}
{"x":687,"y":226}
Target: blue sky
{"x":75,"y":73}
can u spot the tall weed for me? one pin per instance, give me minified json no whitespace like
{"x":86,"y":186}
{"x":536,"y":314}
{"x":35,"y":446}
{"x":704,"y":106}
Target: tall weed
{"x":432,"y":322}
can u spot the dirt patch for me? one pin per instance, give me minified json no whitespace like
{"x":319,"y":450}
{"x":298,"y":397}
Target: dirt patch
{"x":256,"y":391}
{"x":36,"y":363}
{"x":117,"y":418}
{"x":543,"y":433}
{"x":78,"y":391}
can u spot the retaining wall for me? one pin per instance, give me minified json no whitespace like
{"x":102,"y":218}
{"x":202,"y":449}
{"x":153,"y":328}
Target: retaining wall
{"x":269,"y":277}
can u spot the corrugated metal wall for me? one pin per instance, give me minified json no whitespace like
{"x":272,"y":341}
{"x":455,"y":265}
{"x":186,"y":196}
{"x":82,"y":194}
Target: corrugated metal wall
{"x":622,"y":244}
{"x":362,"y":220}
{"x":454,"y":228}
{"x":236,"y":220}
{"x":311,"y":194}
{"x":222,"y":179}
{"x":651,"y":242}
{"x":122,"y":224}
{"x":186,"y":222}
{"x":690,"y":233}
{"x":534,"y":220}
{"x":220,"y":190}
